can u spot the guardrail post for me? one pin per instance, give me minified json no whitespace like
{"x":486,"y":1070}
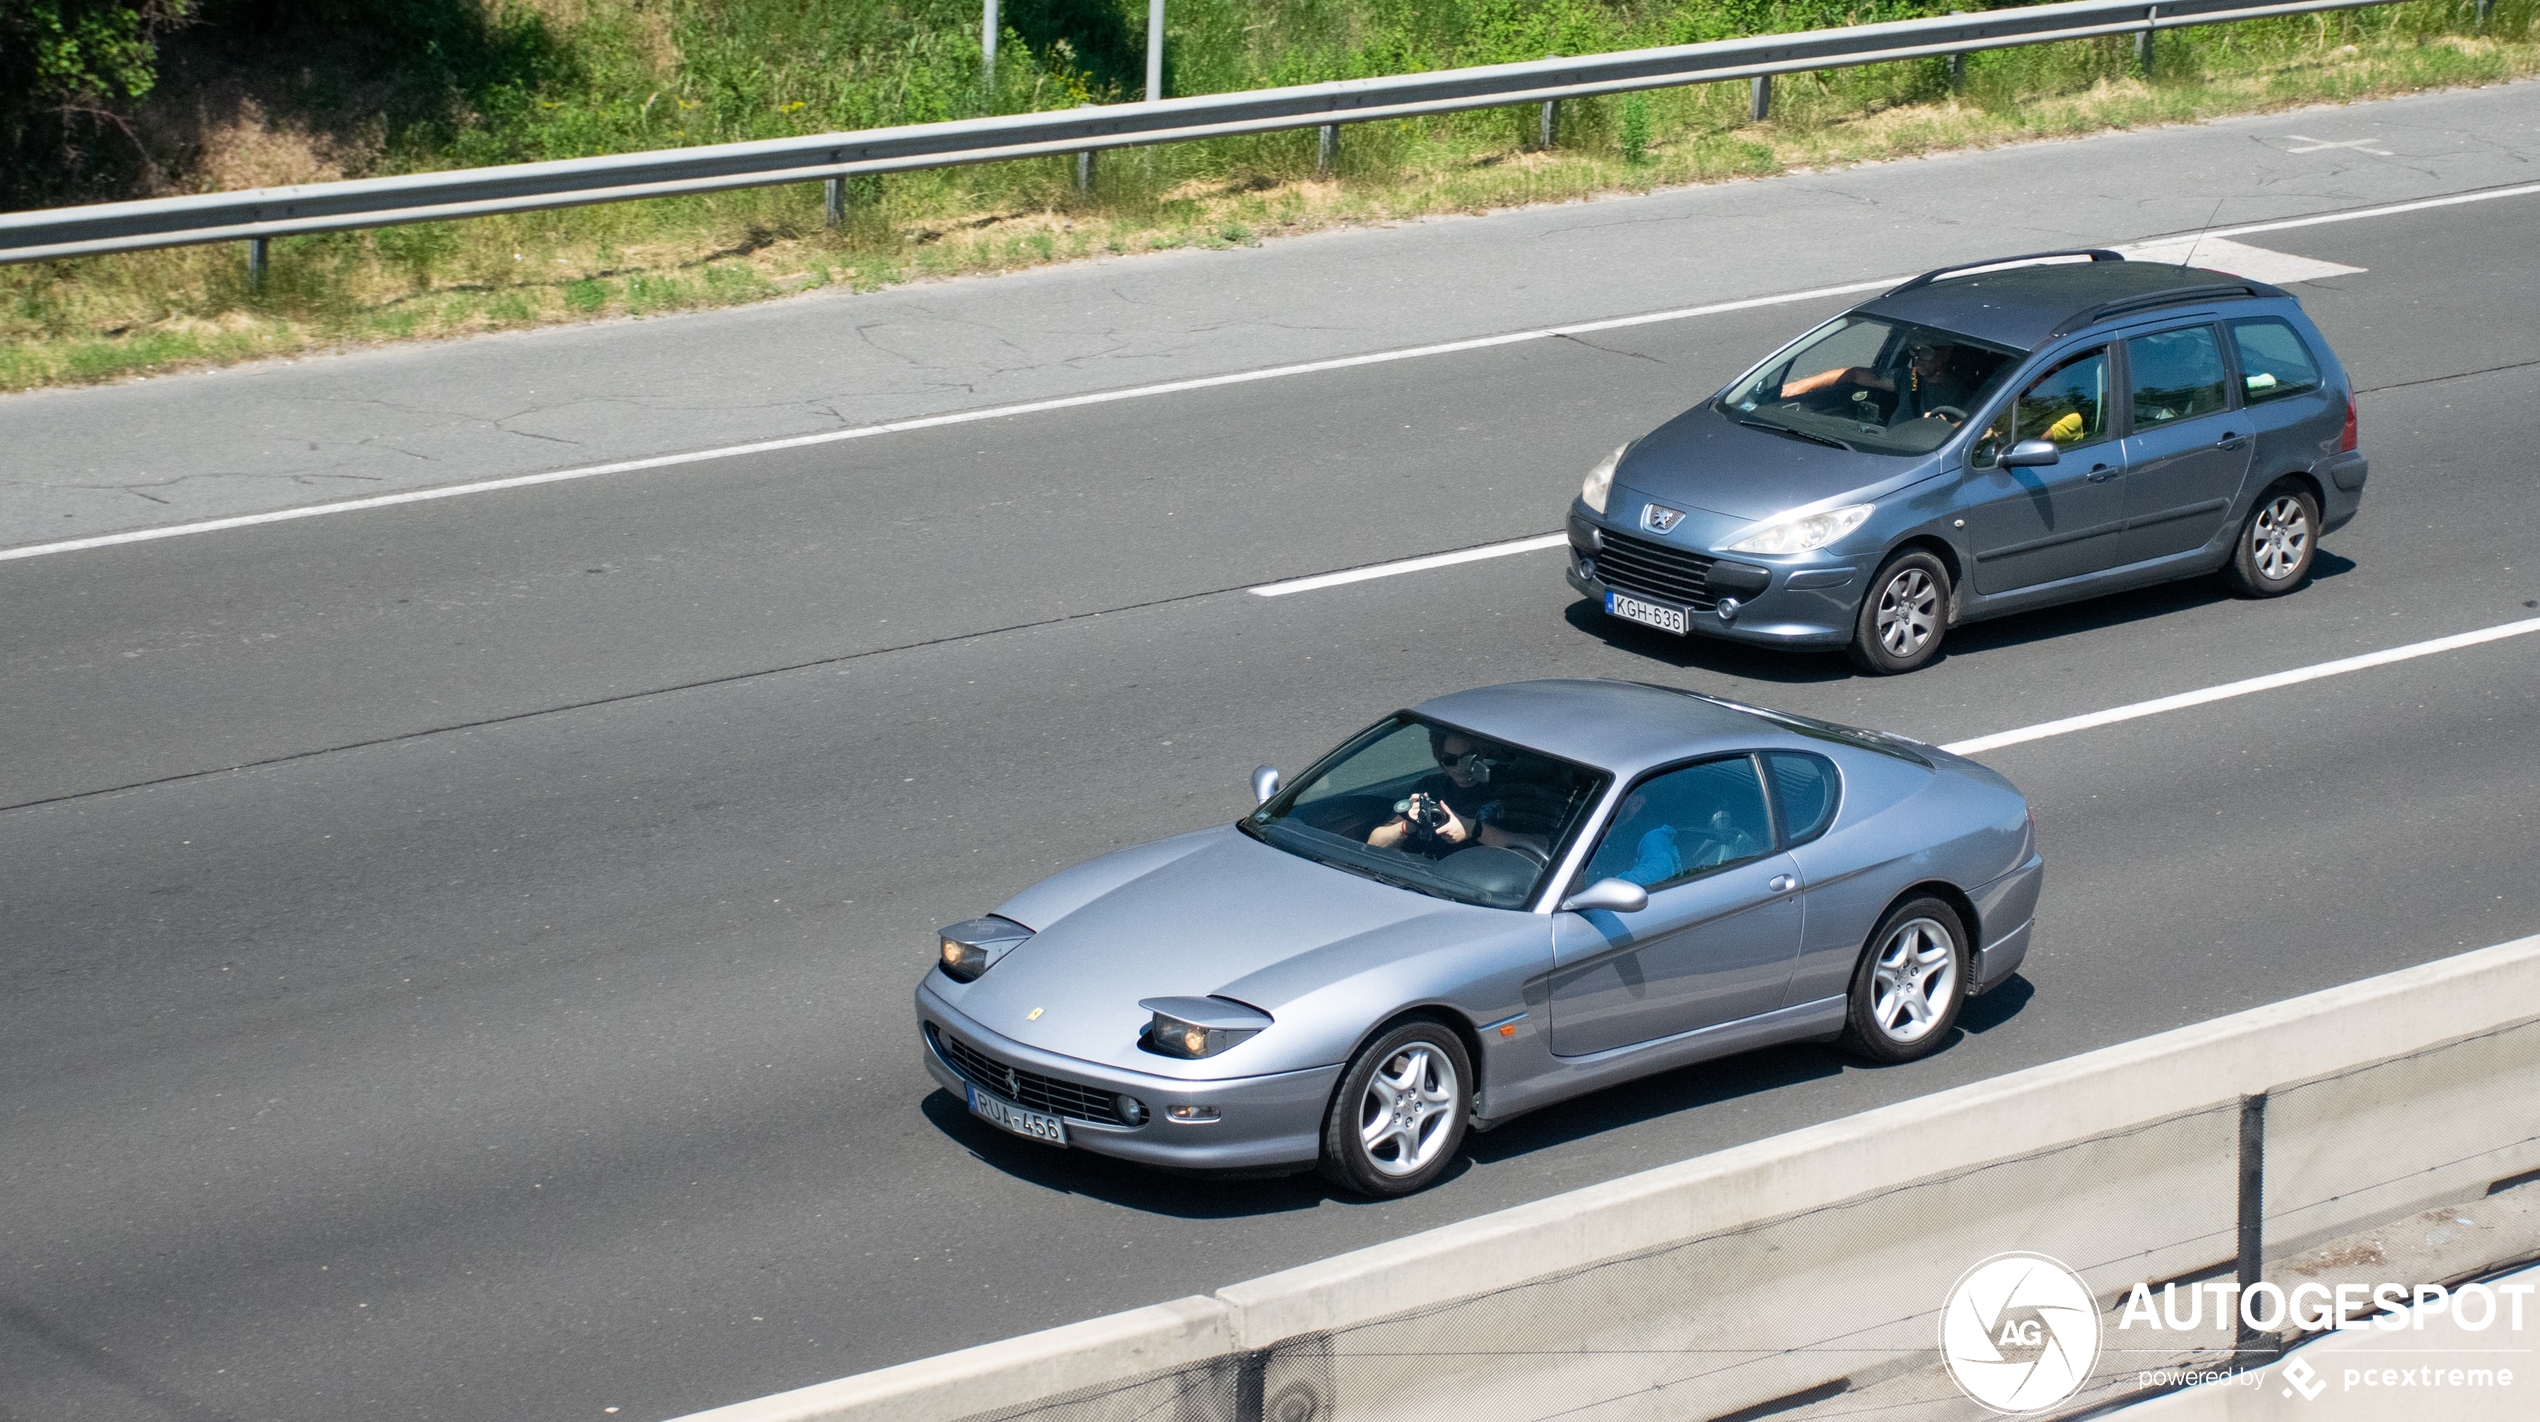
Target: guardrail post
{"x":1957,"y":66}
{"x":2485,"y":8}
{"x":835,"y":208}
{"x":988,"y":44}
{"x":1155,"y":50}
{"x":1085,"y":163}
{"x":1252,"y":1376}
{"x":1327,"y":149}
{"x":2143,"y":42}
{"x":1759,"y":106}
{"x":2252,"y":1261}
{"x":1549,"y":131}
{"x":256,"y":264}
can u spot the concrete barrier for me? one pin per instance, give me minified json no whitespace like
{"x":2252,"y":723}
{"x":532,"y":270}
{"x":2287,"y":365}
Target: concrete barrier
{"x":1758,"y":1272}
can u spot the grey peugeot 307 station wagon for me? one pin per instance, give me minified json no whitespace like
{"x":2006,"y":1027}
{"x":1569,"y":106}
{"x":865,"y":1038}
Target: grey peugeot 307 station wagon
{"x":1980,"y":441}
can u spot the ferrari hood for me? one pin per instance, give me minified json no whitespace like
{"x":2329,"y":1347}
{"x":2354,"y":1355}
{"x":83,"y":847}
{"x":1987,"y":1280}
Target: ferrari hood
{"x":1232,"y":916}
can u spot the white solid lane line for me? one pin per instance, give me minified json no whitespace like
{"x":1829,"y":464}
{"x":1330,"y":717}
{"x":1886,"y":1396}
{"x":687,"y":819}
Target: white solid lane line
{"x":999,"y":412}
{"x":2254,"y":684}
{"x":1409,"y":565}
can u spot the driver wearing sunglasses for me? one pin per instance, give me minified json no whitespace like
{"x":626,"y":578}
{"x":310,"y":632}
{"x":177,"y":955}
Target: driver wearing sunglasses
{"x":1446,"y":809}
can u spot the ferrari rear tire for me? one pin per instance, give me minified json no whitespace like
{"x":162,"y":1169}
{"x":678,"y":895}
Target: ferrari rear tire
{"x":1911,"y":981}
{"x":1398,"y":1119}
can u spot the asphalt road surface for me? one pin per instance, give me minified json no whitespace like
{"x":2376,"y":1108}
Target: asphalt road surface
{"x":523,"y":1032}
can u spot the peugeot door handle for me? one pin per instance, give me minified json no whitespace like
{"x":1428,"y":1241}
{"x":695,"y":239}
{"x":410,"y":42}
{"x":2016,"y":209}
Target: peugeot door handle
{"x":2101,"y":473}
{"x":2228,"y":441}
{"x":1781,"y":884}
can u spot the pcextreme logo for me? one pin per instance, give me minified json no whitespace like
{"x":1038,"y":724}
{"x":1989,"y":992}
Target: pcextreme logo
{"x":2020,"y":1333}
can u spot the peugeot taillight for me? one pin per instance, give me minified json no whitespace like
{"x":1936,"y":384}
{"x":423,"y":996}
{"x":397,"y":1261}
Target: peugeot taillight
{"x":2346,"y":441}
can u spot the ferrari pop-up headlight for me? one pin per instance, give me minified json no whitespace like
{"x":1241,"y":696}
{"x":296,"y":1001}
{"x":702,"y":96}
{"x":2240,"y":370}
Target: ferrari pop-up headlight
{"x":1194,"y":1027}
{"x":972,"y":947}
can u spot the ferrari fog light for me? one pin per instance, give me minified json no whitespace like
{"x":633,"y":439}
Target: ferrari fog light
{"x":1191,"y":1115}
{"x":1130,"y":1110}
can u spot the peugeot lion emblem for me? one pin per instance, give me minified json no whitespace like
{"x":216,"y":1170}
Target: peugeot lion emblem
{"x":1659,"y":519}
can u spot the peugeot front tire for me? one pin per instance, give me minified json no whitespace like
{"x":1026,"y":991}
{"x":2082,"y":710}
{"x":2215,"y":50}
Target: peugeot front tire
{"x":1904,"y":615}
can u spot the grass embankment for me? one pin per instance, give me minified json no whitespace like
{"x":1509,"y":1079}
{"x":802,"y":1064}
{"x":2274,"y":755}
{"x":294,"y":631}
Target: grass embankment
{"x":578,"y":76}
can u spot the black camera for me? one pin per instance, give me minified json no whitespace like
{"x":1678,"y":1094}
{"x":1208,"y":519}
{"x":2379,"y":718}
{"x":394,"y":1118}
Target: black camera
{"x":1427,"y":813}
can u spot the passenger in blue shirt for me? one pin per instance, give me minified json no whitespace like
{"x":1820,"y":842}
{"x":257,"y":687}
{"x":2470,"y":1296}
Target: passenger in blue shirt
{"x":1661,"y":852}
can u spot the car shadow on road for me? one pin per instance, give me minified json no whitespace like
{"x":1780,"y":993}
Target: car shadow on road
{"x":1715,"y":1082}
{"x":2112,"y":610}
{"x":1122,"y":1183}
{"x":1704,"y":654}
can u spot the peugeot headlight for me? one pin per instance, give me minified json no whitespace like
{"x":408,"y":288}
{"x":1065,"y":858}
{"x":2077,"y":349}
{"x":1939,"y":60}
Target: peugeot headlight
{"x":970,"y":948}
{"x":1600,"y":480}
{"x":1194,"y":1027}
{"x":1803,"y":534}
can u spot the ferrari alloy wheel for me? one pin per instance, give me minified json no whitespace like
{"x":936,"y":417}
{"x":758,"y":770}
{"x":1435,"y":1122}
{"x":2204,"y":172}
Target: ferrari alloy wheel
{"x":1911,"y":981}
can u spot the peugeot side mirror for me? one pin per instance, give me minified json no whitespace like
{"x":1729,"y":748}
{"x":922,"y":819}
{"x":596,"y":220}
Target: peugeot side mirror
{"x":1612,"y":895}
{"x":2031,"y":453}
{"x":1265,"y":783}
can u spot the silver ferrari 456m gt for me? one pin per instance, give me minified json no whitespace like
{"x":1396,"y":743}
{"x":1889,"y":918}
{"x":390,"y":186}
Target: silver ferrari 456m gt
{"x":1477,"y":907}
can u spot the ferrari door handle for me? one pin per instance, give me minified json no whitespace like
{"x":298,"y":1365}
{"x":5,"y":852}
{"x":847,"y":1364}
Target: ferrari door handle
{"x":2228,"y":441}
{"x":1782,"y":884}
{"x":2101,"y":473}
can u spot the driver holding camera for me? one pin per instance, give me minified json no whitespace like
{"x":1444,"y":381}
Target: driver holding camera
{"x":1445,"y":810}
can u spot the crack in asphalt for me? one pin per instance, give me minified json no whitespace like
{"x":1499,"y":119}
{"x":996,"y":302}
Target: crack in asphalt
{"x":1609,"y":350}
{"x":2439,"y":379}
{"x":727,"y":679}
{"x":619,"y":698}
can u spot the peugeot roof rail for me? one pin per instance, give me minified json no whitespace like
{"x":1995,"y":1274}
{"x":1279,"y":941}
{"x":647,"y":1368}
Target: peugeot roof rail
{"x":2149,"y":300}
{"x":2096,"y":254}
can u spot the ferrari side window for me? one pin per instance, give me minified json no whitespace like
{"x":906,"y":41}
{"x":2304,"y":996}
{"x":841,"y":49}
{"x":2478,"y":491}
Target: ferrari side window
{"x":1804,"y":791}
{"x":1681,"y":824}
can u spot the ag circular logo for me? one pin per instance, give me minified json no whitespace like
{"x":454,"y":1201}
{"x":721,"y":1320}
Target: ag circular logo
{"x":2020,"y":1333}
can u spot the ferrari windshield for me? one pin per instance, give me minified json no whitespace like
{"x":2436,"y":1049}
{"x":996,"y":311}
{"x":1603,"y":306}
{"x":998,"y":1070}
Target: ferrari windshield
{"x":1435,"y":809}
{"x":1886,"y":387}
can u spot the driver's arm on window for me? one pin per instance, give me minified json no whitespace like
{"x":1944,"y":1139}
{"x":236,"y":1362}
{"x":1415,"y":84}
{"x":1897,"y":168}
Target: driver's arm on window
{"x":1842,"y":375}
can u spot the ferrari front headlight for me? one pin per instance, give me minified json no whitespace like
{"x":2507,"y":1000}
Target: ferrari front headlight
{"x":1194,"y":1027}
{"x":967,"y":949}
{"x":1804,"y":533}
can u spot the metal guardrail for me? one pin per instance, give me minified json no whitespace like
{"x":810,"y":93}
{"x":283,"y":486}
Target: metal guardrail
{"x":253,"y":214}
